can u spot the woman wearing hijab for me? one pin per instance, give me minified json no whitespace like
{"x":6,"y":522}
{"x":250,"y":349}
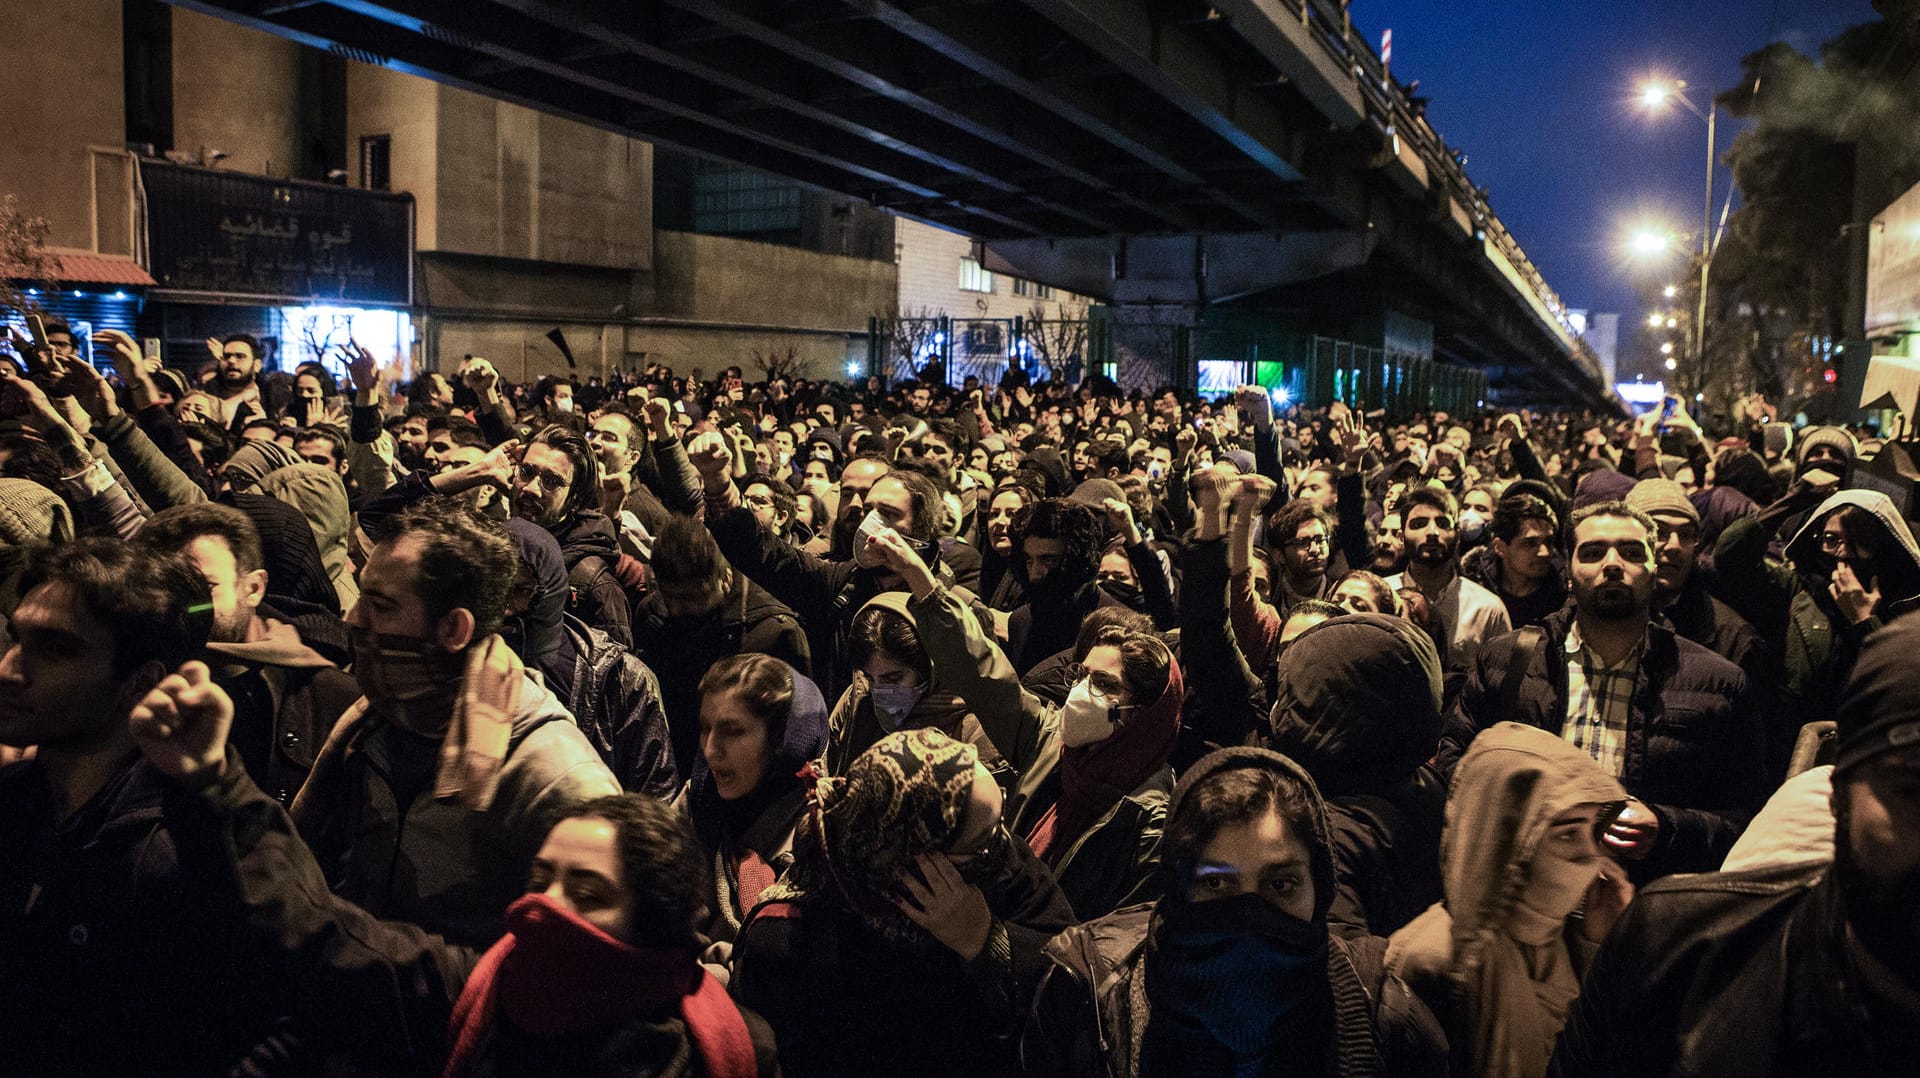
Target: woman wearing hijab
{"x":906,"y":938}
{"x":598,"y":973}
{"x":760,"y":723}
{"x":1501,"y":958}
{"x":1233,"y":972}
{"x":1092,"y":804}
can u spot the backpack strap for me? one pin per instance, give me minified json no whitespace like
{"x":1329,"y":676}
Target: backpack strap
{"x":1527,"y":643}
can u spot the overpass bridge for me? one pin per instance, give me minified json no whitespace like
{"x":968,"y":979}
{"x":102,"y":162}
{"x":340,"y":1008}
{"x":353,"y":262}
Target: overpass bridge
{"x":1169,"y":157}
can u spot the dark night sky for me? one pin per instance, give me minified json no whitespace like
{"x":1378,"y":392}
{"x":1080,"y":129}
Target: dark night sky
{"x":1539,"y":96}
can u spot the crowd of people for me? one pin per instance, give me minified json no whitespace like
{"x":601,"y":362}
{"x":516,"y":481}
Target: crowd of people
{"x":675,"y":725}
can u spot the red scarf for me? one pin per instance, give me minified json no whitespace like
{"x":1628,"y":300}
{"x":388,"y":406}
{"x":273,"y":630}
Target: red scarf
{"x":553,"y":974}
{"x":1094,"y":778}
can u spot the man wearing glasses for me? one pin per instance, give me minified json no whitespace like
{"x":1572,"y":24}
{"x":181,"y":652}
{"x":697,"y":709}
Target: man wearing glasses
{"x":1303,"y":534}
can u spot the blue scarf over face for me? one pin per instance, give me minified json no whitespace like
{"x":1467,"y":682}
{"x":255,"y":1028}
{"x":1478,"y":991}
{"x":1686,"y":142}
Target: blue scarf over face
{"x":1226,"y":973}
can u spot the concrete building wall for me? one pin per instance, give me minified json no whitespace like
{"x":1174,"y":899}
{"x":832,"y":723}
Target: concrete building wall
{"x":237,"y":90}
{"x":718,"y":279}
{"x":516,"y":183}
{"x":62,"y":86}
{"x":405,"y":108}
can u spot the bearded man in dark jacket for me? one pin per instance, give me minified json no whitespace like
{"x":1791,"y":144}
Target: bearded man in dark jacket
{"x":1662,"y":714}
{"x":1793,"y":969}
{"x":556,"y":485}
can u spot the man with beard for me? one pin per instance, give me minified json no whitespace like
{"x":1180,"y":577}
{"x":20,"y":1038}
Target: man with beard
{"x":1303,"y":534}
{"x":235,"y":384}
{"x":1791,"y":969}
{"x":1662,"y":714}
{"x":824,"y":594}
{"x":700,"y":611}
{"x":858,"y":478}
{"x":643,"y":470}
{"x":1467,"y":614}
{"x":286,"y":695}
{"x":1059,"y":557}
{"x":434,"y":791}
{"x":557,"y":485}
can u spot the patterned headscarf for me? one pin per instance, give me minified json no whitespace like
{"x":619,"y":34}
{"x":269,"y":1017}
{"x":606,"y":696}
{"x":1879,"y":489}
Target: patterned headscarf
{"x":907,"y":795}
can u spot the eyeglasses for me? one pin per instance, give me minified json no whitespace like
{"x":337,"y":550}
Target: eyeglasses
{"x":1101,"y":682}
{"x":530,"y":475}
{"x":986,"y":847}
{"x":1834,"y":543}
{"x":1307,"y":542}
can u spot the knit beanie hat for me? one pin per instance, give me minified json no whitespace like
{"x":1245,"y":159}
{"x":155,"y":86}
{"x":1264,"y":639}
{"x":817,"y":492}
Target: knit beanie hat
{"x":1653,"y":496}
{"x":30,"y":513}
{"x":1833,"y":436}
{"x":1880,"y":707}
{"x":1778,"y":438}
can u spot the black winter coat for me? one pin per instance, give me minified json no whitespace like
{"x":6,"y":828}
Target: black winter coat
{"x":1695,"y":747}
{"x":1738,"y":973}
{"x":587,"y":543}
{"x":616,"y":700}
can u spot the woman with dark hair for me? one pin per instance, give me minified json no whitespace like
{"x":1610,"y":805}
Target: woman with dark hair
{"x":1362,"y":592}
{"x":999,"y":580}
{"x":598,"y":972}
{"x":1092,"y":802}
{"x":1233,"y":971}
{"x":760,"y":723}
{"x":906,"y":939}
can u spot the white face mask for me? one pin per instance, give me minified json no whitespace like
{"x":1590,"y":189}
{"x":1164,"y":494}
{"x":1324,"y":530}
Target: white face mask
{"x":1086,"y":718}
{"x":873,"y":524}
{"x":564,"y":404}
{"x":1472,"y":523}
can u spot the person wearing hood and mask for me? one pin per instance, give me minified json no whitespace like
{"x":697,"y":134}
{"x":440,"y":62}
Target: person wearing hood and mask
{"x":1234,"y":971}
{"x":613,"y":697}
{"x":1529,"y":897}
{"x":761,"y":722}
{"x":1091,"y":795}
{"x":598,"y":971}
{"x":1357,"y":703}
{"x":1057,"y":557}
{"x":907,"y":936}
{"x":433,"y":791}
{"x":1851,"y":568}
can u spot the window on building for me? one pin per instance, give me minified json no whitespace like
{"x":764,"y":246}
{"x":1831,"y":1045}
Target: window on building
{"x":974,"y":277}
{"x":376,"y":157}
{"x":1043,"y":291}
{"x":1021,"y":286}
{"x":738,"y":202}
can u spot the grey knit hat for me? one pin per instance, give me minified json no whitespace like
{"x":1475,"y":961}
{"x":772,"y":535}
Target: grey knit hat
{"x":1655,"y":496}
{"x":30,"y":513}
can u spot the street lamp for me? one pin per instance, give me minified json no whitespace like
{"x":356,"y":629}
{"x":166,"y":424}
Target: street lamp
{"x":1670,"y":291}
{"x":1654,"y":95}
{"x":1653,"y":321}
{"x":1647,"y":243}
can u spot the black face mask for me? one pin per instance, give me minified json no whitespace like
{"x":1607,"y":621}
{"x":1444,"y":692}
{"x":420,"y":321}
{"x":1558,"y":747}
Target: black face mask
{"x":1124,"y":592}
{"x":1232,"y":968}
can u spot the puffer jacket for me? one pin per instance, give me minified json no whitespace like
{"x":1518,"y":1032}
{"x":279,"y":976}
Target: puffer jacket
{"x":321,"y":497}
{"x":1695,"y":748}
{"x":1111,"y":864}
{"x":616,"y":700}
{"x":435,"y":863}
{"x":1789,"y":602}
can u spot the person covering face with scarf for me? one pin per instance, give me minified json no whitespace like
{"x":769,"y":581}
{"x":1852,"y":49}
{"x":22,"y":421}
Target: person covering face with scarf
{"x":1503,"y":954}
{"x":1233,"y":972}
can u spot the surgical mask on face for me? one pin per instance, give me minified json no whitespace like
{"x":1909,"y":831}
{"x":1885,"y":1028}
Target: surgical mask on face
{"x":894,"y":702}
{"x":564,"y":404}
{"x":1472,"y":524}
{"x":1087,"y":717}
{"x":872,"y":525}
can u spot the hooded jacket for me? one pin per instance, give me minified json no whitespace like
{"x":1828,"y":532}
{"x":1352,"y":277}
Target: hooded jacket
{"x":321,"y":497}
{"x":1790,"y":604}
{"x":1503,"y":974}
{"x":1092,"y":1013}
{"x":1357,"y":703}
{"x":435,"y":863}
{"x":1482,"y":566}
{"x":1113,"y":861}
{"x":854,"y":727}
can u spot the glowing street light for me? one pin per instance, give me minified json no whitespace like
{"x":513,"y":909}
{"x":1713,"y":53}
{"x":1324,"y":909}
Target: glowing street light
{"x":1666,"y":348}
{"x":1672,"y":363}
{"x":1653,"y":95}
{"x":1646,"y":243}
{"x":1653,"y":321}
{"x":1670,"y":291}
{"x":1672,"y":322}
